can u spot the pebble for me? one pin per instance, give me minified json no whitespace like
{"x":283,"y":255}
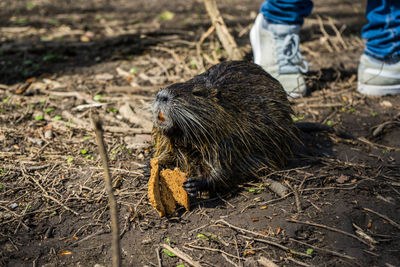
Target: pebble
{"x":386,"y":104}
{"x":146,"y":241}
{"x":13,"y":206}
{"x":48,"y":134}
{"x":36,"y":141}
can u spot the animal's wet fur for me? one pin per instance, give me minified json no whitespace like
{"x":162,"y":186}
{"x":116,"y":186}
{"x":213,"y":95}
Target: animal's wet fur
{"x":226,"y":125}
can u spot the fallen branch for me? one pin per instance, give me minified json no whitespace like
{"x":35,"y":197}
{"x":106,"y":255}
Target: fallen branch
{"x":276,"y":187}
{"x":215,"y":250}
{"x":324,"y":250}
{"x":222,"y":31}
{"x":247,"y":231}
{"x":181,"y":255}
{"x":116,"y":253}
{"x":331,"y":229}
{"x":383,"y":217}
{"x":266,"y":262}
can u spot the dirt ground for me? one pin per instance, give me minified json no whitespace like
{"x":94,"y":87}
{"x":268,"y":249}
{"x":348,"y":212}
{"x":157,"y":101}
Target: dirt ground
{"x":59,"y":59}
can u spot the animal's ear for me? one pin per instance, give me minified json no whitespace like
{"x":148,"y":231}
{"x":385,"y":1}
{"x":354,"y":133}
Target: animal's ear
{"x":200,"y":91}
{"x":215,"y":94}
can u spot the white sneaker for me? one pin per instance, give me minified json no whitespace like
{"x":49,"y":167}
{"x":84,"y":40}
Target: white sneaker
{"x":276,"y":50}
{"x":378,"y":78}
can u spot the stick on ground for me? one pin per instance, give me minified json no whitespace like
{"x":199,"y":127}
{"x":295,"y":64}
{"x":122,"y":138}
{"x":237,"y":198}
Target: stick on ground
{"x":181,"y":255}
{"x":116,"y":250}
{"x":222,"y":31}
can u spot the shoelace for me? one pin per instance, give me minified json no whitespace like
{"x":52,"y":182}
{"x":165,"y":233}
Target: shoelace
{"x":291,"y":52}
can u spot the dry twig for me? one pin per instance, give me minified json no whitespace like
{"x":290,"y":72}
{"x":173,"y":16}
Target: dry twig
{"x":395,"y":224}
{"x":181,"y":255}
{"x":331,"y":229}
{"x":116,"y":254}
{"x":222,"y":31}
{"x":324,"y":250}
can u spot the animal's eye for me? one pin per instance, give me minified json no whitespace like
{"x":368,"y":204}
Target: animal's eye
{"x":200,"y":91}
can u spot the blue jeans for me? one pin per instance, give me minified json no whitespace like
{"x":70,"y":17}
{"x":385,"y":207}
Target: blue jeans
{"x":382,"y":33}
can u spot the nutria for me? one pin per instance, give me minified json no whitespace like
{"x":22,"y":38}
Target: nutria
{"x":224,"y":126}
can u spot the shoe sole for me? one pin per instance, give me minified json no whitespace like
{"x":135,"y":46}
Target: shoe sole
{"x":255,"y":41}
{"x":378,"y":90}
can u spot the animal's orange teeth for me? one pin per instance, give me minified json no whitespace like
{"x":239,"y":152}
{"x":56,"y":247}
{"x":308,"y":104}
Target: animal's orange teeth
{"x":161,"y":117}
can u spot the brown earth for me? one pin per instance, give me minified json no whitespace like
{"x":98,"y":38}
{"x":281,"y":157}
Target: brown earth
{"x":60,"y":58}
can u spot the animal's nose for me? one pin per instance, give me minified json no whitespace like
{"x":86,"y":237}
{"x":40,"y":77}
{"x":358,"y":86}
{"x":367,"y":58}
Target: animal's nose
{"x":162,"y":96}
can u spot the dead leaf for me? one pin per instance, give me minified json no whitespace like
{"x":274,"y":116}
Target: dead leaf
{"x":84,"y":39}
{"x":278,"y":231}
{"x":342,"y":178}
{"x":66,"y":252}
{"x":386,"y":104}
{"x":248,"y":252}
{"x":104,"y":76}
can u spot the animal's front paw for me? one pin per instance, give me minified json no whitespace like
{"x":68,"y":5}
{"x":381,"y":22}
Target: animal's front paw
{"x":194,"y":185}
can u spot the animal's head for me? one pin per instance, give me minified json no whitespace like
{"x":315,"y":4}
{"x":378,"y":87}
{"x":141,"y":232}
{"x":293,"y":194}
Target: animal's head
{"x":185,"y":108}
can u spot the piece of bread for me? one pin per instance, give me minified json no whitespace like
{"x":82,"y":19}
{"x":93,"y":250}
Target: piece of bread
{"x":167,"y":197}
{"x":165,"y":189}
{"x":174,"y":180}
{"x":154,"y":188}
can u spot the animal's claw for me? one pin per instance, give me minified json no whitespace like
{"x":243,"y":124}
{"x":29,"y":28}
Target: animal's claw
{"x":194,"y":185}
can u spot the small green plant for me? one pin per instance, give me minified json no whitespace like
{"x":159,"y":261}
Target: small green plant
{"x":167,"y":15}
{"x":133,"y":70}
{"x":193,"y":64}
{"x":49,"y":57}
{"x":69,"y":160}
{"x":98,"y":98}
{"x":53,"y":21}
{"x":202,"y":236}
{"x":21,"y":21}
{"x":1,"y":186}
{"x":207,"y":237}
{"x":373,"y":113}
{"x":30,"y":5}
{"x":168,"y":241}
{"x":5,"y":100}
{"x":84,"y":152}
{"x":298,"y":118}
{"x":112,"y":110}
{"x":309,"y":251}
{"x":39,"y":118}
{"x":49,"y":110}
{"x":57,"y":118}
{"x":86,"y":138}
{"x":45,"y":39}
{"x":329,"y":123}
{"x":169,"y":253}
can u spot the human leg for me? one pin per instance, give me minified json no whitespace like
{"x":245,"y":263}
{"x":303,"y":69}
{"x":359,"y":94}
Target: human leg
{"x":379,"y":69}
{"x":275,"y":42}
